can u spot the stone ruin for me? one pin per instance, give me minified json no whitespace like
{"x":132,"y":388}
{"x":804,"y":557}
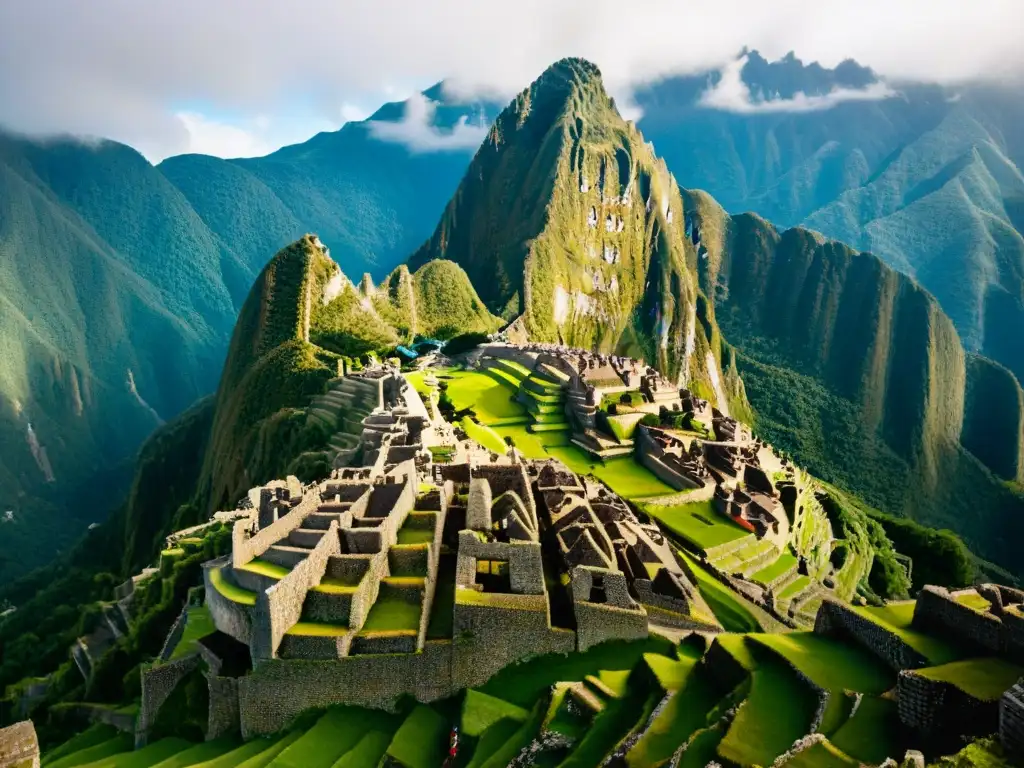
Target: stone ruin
{"x":19,"y":747}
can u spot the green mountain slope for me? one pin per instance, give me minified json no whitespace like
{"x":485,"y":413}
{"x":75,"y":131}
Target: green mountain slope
{"x":856,"y":370}
{"x":567,"y":219}
{"x":373,"y":200}
{"x":113,"y":301}
{"x":928,"y":179}
{"x":301,"y":318}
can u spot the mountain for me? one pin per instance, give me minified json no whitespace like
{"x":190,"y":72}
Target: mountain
{"x":926,"y":177}
{"x":301,"y":319}
{"x":114,"y":300}
{"x":853,"y":368}
{"x":120,"y":283}
{"x":567,"y":221}
{"x":361,"y":188}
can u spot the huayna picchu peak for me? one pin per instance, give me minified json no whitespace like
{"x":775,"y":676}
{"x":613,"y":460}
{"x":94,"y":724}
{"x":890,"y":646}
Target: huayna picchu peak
{"x":600,"y":473}
{"x":572,"y":229}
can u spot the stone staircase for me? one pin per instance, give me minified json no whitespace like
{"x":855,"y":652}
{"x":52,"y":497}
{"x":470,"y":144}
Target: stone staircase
{"x":342,"y":409}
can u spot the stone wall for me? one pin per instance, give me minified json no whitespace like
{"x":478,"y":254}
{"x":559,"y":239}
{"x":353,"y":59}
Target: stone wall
{"x":942,"y":713}
{"x":837,"y":619}
{"x":938,"y":612}
{"x":280,"y":607}
{"x":245,"y":548}
{"x":1011,"y":720}
{"x":223,"y":719}
{"x":274,"y":693}
{"x":174,"y":635}
{"x":19,"y":747}
{"x":514,"y":354}
{"x":525,"y":563}
{"x":229,"y":617}
{"x":158,"y":682}
{"x":596,"y":623}
{"x":482,"y":632}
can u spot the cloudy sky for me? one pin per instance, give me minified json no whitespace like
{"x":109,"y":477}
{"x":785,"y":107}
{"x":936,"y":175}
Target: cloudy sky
{"x":243,"y":77}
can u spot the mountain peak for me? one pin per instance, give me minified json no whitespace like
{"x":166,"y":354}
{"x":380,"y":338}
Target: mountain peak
{"x":790,"y":75}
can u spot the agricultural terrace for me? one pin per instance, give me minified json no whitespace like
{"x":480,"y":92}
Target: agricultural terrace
{"x":897,"y":618}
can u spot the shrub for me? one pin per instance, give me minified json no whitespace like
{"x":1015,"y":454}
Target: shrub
{"x":465,"y":342}
{"x":650,"y":420}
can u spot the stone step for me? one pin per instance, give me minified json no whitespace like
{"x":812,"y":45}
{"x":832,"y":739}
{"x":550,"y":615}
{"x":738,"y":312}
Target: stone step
{"x":285,"y":555}
{"x":305,"y":537}
{"x":319,"y":520}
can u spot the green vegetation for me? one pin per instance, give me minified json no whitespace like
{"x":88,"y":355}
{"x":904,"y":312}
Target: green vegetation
{"x":698,"y":524}
{"x":393,"y":611}
{"x":897,"y":617}
{"x":484,"y":435}
{"x":831,"y":664}
{"x":873,"y":733}
{"x":337,"y":731}
{"x":985,"y":679}
{"x":421,"y":740}
{"x":729,"y":607}
{"x":777,"y":712}
{"x":198,"y":624}
{"x":480,"y":712}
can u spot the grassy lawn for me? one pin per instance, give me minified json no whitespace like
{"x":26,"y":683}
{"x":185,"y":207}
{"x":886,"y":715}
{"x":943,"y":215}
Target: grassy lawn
{"x":240,"y":755}
{"x":415,"y":535}
{"x":974,"y":601}
{"x":269,"y":753}
{"x":199,"y":753}
{"x":671,"y":673}
{"x":795,"y":587}
{"x":685,"y":713}
{"x":703,"y":748}
{"x":105,"y":749}
{"x":95,"y":734}
{"x":783,"y":565}
{"x":873,"y":733}
{"x":619,"y":717}
{"x":985,"y":679}
{"x":777,"y":712}
{"x":832,"y":664}
{"x":369,"y":751}
{"x":392,"y":613}
{"x":317,"y":629}
{"x":336,"y":732}
{"x":524,"y":683}
{"x":897,"y":617}
{"x":480,"y":711}
{"x":501,"y":755}
{"x":727,"y":606}
{"x":631,"y":480}
{"x":822,"y":755}
{"x":231,"y":591}
{"x":265,"y":568}
{"x":698,"y":523}
{"x":492,"y":740}
{"x":422,"y":739}
{"x":489,"y":400}
{"x":198,"y":623}
{"x":484,"y":435}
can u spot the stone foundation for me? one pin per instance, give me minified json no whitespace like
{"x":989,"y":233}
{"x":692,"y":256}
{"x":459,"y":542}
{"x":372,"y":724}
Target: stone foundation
{"x":19,"y":746}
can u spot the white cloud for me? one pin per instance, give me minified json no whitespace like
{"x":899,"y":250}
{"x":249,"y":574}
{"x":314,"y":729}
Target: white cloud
{"x":208,"y":137}
{"x":731,"y":94}
{"x":123,"y":68}
{"x":417,"y":132}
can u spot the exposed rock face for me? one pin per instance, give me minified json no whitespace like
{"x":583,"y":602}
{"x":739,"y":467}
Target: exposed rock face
{"x":567,"y":218}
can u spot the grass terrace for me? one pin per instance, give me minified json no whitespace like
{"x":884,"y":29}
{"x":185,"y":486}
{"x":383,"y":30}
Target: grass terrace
{"x":777,"y":712}
{"x":421,"y":740}
{"x":265,"y":568}
{"x":443,"y":608}
{"x":484,"y":435}
{"x":418,"y":528}
{"x":317,"y":629}
{"x":729,"y":608}
{"x":697,"y":524}
{"x":897,"y":617}
{"x":393,"y":611}
{"x":985,"y":679}
{"x":832,"y":664}
{"x":873,"y":733}
{"x":229,"y":590}
{"x":198,"y":623}
{"x":974,"y":601}
{"x":491,"y":402}
{"x":786,"y":563}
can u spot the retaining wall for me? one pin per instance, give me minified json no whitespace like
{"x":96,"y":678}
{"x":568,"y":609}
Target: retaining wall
{"x":158,"y":683}
{"x":229,"y":617}
{"x":942,"y":713}
{"x":245,"y":548}
{"x":836,"y":619}
{"x":280,"y":607}
{"x":223,"y":715}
